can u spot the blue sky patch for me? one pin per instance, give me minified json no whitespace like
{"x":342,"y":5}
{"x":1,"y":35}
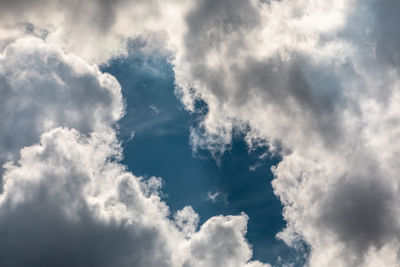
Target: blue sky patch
{"x":155,"y":134}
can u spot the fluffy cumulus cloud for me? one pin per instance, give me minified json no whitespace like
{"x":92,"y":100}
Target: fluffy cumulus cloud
{"x":66,"y":201}
{"x":318,"y":81}
{"x":41,"y":88}
{"x":315,"y":80}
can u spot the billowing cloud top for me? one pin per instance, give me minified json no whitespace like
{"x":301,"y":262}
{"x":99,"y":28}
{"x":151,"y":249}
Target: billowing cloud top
{"x":316,"y":80}
{"x":66,"y":200}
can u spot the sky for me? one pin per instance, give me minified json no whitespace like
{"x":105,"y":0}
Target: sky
{"x":155,"y":134}
{"x":226,"y":133}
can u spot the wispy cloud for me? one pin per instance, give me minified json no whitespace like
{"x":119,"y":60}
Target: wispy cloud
{"x":217,"y":197}
{"x":154,"y":109}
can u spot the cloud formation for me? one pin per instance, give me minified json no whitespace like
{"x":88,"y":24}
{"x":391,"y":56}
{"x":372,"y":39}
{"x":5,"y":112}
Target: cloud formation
{"x":316,"y":80}
{"x":41,"y":88}
{"x":47,"y":76}
{"x":66,"y":200}
{"x":95,"y":30}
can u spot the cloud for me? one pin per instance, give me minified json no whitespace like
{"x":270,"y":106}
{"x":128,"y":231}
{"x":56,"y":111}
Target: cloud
{"x":187,"y":220}
{"x":216,"y":197}
{"x":319,"y":82}
{"x":316,"y":80}
{"x":221,"y":242}
{"x":344,"y":213}
{"x":96,"y":31}
{"x":66,"y":199}
{"x":42,"y":88}
{"x":64,"y":204}
{"x":155,"y":110}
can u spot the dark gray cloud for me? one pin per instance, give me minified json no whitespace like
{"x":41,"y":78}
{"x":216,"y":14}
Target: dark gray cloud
{"x":37,"y":233}
{"x":360,"y":213}
{"x":386,"y":31}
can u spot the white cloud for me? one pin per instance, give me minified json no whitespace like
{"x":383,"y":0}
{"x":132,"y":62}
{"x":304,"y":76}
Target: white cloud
{"x":66,"y":200}
{"x":221,"y":242}
{"x":187,"y":220}
{"x":155,"y":110}
{"x":216,"y":197}
{"x":317,"y":80}
{"x":95,"y":30}
{"x":42,"y":88}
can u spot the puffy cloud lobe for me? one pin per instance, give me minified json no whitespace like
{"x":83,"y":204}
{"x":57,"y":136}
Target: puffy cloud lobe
{"x":247,"y":72}
{"x":65,"y":203}
{"x":187,"y":220}
{"x":66,"y":200}
{"x":42,"y":88}
{"x":220,"y":236}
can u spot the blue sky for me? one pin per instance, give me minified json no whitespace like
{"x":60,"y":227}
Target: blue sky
{"x":155,"y":134}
